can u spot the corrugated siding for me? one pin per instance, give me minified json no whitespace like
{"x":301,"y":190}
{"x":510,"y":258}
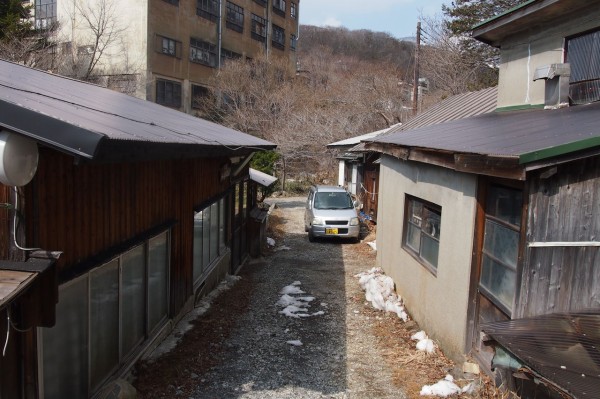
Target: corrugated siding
{"x":86,"y":209}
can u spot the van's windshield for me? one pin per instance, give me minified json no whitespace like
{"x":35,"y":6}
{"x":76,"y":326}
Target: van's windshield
{"x":333,"y":200}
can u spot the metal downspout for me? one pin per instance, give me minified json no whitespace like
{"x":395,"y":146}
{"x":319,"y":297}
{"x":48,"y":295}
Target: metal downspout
{"x":220,"y":34}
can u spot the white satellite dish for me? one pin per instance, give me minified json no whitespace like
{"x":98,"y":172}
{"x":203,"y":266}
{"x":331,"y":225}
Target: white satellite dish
{"x":18,"y":159}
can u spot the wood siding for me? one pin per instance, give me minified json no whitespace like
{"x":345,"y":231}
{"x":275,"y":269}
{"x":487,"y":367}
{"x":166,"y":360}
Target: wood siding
{"x":85,"y":210}
{"x":564,"y":207}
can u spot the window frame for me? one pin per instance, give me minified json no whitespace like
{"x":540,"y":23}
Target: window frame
{"x":198,"y":46}
{"x":278,"y":37}
{"x":293,"y":42}
{"x":84,"y":283}
{"x":45,"y":14}
{"x":172,"y":2}
{"x":159,"y":46}
{"x":589,"y":67}
{"x":212,"y":239}
{"x":433,"y":208}
{"x":293,"y":10}
{"x":234,"y":17}
{"x":176,"y":102}
{"x":279,"y":7}
{"x":515,"y":228}
{"x":261,"y":2}
{"x":258,"y":30}
{"x":208,"y":9}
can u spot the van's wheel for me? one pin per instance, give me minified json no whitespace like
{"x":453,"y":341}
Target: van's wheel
{"x":311,"y":237}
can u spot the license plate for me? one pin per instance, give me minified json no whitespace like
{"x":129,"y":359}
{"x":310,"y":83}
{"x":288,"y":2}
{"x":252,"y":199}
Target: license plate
{"x":331,"y":231}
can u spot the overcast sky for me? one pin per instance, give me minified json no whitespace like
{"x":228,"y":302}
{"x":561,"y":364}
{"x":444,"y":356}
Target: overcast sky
{"x":396,"y":17}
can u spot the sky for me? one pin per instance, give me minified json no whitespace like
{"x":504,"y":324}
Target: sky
{"x":397,"y":17}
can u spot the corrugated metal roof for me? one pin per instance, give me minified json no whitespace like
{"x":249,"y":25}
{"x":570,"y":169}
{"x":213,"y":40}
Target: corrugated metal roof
{"x":508,"y":134}
{"x":563,"y":348}
{"x":453,"y":108}
{"x":75,"y":116}
{"x":357,"y":139}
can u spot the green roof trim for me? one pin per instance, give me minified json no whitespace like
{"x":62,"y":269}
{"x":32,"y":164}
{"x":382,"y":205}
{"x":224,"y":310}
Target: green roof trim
{"x":511,"y":10}
{"x":520,"y":107}
{"x":559,"y":150}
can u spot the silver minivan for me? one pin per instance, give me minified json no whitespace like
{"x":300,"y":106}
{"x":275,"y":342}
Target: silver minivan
{"x":330,"y":212}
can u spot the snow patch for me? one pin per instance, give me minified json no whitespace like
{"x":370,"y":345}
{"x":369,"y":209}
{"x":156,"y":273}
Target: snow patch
{"x":296,"y":306}
{"x":445,"y":388}
{"x":379,"y":290}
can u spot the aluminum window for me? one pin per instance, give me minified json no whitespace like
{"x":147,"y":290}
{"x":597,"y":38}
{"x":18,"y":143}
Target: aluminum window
{"x":278,"y":37}
{"x":168,"y":46}
{"x":209,"y":238}
{"x":293,"y":10}
{"x":422,"y":227}
{"x":45,"y":14}
{"x":501,"y":245}
{"x":208,"y":9}
{"x":259,"y":28}
{"x":279,"y":7}
{"x":168,"y":93}
{"x":583,"y":53}
{"x":103,"y":317}
{"x":202,"y":52}
{"x":235,"y":17}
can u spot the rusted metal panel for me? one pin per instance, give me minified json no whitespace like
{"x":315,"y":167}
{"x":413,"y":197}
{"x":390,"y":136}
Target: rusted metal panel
{"x":561,"y":348}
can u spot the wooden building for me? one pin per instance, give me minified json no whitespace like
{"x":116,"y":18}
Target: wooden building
{"x":489,"y":225}
{"x":133,"y":212}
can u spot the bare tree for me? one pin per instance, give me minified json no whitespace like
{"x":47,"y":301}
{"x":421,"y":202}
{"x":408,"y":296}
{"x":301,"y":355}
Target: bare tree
{"x":445,"y":63}
{"x":95,"y":34}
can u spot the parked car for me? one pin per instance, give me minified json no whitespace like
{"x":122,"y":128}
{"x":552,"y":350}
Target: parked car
{"x":330,"y":212}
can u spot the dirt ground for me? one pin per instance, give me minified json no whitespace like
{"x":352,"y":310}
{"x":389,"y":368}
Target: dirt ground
{"x":377,"y":343}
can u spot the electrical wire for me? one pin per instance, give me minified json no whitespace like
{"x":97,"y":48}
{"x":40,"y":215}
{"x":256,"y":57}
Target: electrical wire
{"x":183,"y":134}
{"x":366,"y":191}
{"x":7,"y":333}
{"x":16,"y":208}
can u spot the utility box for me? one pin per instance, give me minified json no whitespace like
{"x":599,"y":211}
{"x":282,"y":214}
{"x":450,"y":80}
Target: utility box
{"x":257,"y":227}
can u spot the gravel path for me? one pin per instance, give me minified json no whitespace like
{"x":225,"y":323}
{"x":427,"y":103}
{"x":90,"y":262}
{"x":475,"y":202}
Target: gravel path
{"x":338,"y":357}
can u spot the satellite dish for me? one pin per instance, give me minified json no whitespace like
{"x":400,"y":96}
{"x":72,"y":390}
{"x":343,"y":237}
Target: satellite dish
{"x":18,"y":159}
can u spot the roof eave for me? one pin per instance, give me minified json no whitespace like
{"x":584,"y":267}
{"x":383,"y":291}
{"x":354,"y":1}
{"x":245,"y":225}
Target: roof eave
{"x":503,"y":166}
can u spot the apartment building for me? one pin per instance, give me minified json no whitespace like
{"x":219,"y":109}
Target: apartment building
{"x":172,"y":47}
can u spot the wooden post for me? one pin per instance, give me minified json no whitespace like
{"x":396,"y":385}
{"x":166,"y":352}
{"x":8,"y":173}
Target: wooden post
{"x":415,"y":103}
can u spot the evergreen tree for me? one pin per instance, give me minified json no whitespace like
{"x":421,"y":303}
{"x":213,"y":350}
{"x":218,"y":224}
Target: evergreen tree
{"x":460,"y":18}
{"x":14,"y":19}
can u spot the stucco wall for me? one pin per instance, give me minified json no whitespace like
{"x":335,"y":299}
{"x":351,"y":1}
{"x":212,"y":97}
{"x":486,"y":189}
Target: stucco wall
{"x":523,"y":53}
{"x":437,"y":303}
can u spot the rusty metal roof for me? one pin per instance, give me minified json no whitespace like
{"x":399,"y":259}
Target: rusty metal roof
{"x":523,"y":135}
{"x":562,"y":348}
{"x":452,"y":108}
{"x":96,"y":123}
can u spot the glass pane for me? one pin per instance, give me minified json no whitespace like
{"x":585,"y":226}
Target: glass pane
{"x":431,"y":222}
{"x":197,"y":260}
{"x":415,"y":210}
{"x":245,"y":199}
{"x":158,"y":280}
{"x":222,"y":244}
{"x":499,"y":281}
{"x":429,"y":250}
{"x":133,"y":298}
{"x":502,"y":243}
{"x":104,"y":321}
{"x":65,"y":345}
{"x":206,"y":238}
{"x":505,"y":203}
{"x":413,"y":238}
{"x":214,"y":231}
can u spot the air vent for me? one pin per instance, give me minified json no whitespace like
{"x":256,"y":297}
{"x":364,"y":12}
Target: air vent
{"x":557,"y":84}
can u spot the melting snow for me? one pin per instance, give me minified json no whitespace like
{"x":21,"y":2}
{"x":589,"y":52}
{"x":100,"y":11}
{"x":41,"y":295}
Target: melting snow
{"x":444,"y":388}
{"x":296,"y":306}
{"x":379,"y":290}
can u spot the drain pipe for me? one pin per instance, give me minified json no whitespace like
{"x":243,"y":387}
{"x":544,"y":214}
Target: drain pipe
{"x":219,"y":34}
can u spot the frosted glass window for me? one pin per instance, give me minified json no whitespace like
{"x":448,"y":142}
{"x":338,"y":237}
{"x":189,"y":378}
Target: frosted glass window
{"x":158,"y":280}
{"x":197,"y":256}
{"x":422,"y":227}
{"x":214,"y":231}
{"x":133,"y":303}
{"x":206,"y":238}
{"x":104,"y":321}
{"x":222,"y":243}
{"x":67,"y":341}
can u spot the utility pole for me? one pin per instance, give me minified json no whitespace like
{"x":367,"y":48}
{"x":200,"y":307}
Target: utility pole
{"x":415,"y":104}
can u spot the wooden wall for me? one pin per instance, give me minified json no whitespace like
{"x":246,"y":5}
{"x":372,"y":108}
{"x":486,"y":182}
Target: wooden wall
{"x":563,"y":207}
{"x":84,"y":210}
